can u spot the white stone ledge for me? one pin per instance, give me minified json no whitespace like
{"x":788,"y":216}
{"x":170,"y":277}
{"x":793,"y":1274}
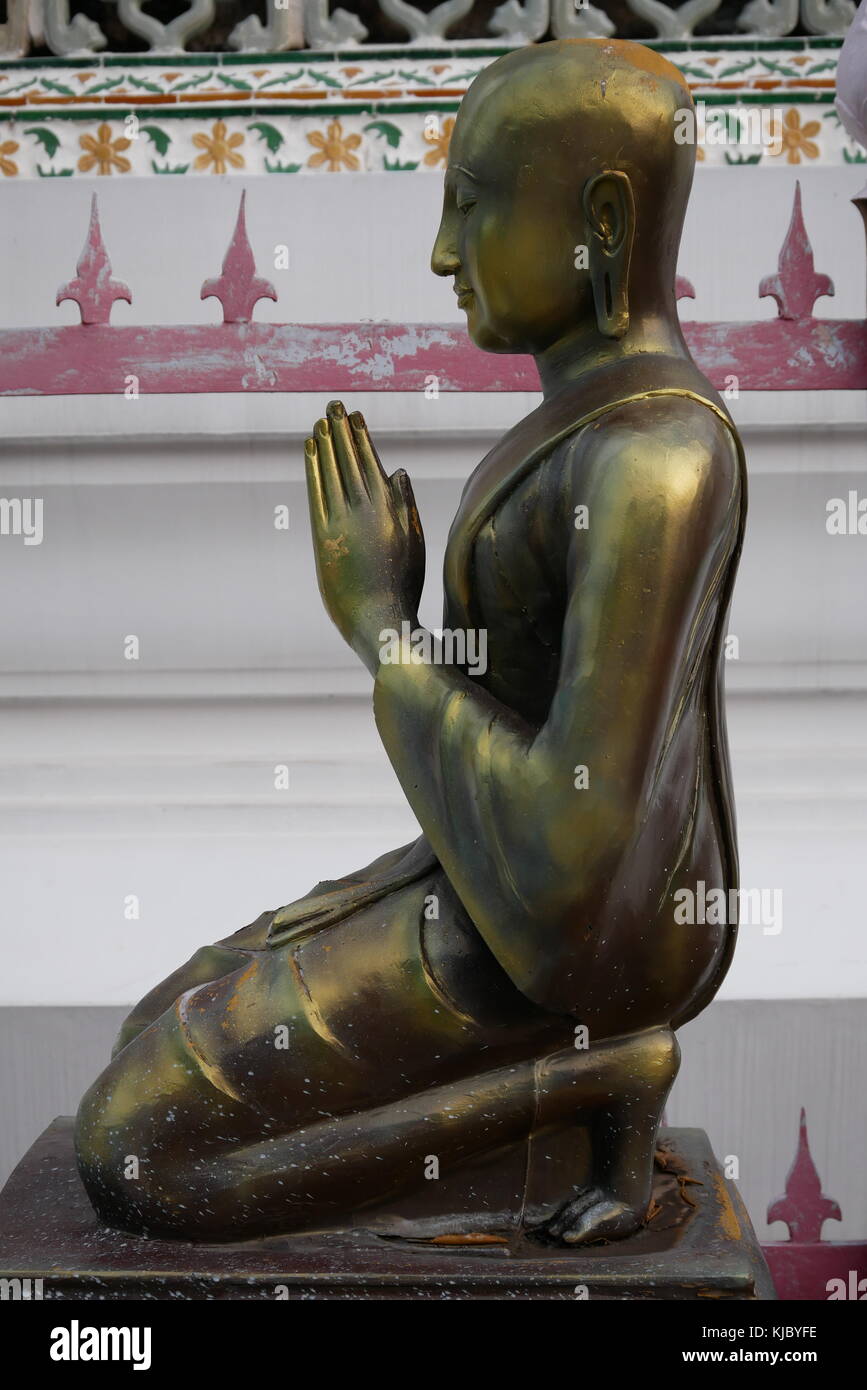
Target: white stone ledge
{"x":103,"y":441}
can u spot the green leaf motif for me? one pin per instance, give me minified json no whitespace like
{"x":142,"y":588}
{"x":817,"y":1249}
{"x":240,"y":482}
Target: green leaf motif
{"x":143,"y":85}
{"x":269,"y":133}
{"x":54,"y":173}
{"x":275,"y":167}
{"x":742,"y":158}
{"x":392,"y":164}
{"x":168,"y":168}
{"x":323,"y":80}
{"x":57,"y":87}
{"x":104,"y":86}
{"x":47,"y":139}
{"x":21,"y":86}
{"x":781,"y":68}
{"x":370,"y":79}
{"x":185,"y":86}
{"x":858,"y":158}
{"x":734,"y":68}
{"x":392,"y":133}
{"x":279,"y":82}
{"x":160,"y":139}
{"x":234,"y":82}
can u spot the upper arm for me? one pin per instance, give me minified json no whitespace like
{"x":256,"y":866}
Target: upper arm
{"x":660,"y":481}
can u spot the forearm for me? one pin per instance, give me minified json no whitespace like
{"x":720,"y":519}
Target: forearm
{"x":518,"y":842}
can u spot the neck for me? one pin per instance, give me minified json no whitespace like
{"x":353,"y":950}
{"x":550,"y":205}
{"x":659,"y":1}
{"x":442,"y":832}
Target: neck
{"x":584,"y":350}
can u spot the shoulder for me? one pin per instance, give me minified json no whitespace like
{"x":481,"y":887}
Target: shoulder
{"x":657,"y":450}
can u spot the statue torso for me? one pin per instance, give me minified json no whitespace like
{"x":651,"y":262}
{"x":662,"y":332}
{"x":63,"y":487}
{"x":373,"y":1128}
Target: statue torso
{"x":518,"y":565}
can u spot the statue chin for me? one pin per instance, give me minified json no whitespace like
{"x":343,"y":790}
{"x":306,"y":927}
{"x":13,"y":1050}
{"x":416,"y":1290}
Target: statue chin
{"x":485,"y":337}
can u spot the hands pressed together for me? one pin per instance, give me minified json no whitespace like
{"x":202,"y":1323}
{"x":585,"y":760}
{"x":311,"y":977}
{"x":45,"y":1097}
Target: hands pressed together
{"x":367,"y":535}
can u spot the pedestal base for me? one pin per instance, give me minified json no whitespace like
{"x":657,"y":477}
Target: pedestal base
{"x":697,"y":1243}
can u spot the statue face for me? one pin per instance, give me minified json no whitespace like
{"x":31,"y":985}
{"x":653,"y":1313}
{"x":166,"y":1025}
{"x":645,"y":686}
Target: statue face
{"x":508,"y":234}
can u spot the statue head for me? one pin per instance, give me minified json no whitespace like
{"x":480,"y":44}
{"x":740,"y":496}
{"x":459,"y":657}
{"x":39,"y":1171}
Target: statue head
{"x":565,"y":194}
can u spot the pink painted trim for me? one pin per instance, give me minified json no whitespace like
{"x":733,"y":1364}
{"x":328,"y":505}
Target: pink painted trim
{"x":239,"y":289}
{"x":93,"y":289}
{"x":805,"y":1272}
{"x":793,"y":352}
{"x":769,"y":355}
{"x":804,"y":1208}
{"x":805,"y":1267}
{"x":796,"y":286}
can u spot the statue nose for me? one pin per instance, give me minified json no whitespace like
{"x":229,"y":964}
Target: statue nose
{"x":444,"y":257}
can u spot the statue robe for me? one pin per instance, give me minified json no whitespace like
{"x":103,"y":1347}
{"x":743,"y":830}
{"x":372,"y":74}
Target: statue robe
{"x":407,"y":974}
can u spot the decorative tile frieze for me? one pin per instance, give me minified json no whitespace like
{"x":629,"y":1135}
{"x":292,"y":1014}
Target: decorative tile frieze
{"x":389,"y":110}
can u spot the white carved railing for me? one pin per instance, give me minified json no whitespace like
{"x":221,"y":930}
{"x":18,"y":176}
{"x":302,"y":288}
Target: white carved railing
{"x":56,"y":26}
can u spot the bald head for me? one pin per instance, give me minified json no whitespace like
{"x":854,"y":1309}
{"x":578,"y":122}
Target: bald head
{"x":565,"y":193}
{"x":574,"y":107}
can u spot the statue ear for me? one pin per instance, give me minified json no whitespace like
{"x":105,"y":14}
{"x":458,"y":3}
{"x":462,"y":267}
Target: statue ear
{"x":609,"y":210}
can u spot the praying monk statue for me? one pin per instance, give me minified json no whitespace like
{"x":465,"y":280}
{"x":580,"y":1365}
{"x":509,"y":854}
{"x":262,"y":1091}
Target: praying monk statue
{"x":515,"y":976}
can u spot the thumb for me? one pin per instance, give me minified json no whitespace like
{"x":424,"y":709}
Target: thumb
{"x":404,"y":497}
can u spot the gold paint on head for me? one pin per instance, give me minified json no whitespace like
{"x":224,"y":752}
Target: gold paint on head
{"x":534,"y":130}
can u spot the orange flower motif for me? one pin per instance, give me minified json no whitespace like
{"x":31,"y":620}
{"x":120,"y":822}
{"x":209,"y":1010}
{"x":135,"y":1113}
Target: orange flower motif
{"x":796,"y":139}
{"x":220,"y":149}
{"x":104,"y":152}
{"x":440,"y":139}
{"x":7,"y":165}
{"x":334,"y":148}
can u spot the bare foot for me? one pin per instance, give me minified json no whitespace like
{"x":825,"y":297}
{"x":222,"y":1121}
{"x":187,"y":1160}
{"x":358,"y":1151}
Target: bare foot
{"x":593,"y":1215}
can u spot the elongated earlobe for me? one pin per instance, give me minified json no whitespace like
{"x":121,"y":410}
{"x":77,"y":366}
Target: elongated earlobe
{"x":609,"y":208}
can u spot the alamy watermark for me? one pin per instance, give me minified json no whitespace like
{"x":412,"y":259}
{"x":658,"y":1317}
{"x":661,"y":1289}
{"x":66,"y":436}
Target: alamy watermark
{"x":77,"y":1343}
{"x":21,"y":1290}
{"x":749,"y":907}
{"x":22,"y":516}
{"x":754,"y":127}
{"x":439,"y":646}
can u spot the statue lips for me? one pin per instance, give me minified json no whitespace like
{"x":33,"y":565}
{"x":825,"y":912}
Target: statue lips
{"x":464,"y":295}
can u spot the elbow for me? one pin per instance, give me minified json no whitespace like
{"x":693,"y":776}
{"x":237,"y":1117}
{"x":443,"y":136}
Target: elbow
{"x":564,"y":884}
{"x":583,"y":847}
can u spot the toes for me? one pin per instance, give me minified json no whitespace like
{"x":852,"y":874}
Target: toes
{"x":591,"y":1216}
{"x":558,"y":1225}
{"x":593,"y":1224}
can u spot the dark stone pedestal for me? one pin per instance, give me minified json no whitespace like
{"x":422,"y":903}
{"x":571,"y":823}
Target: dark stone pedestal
{"x":697,"y":1243}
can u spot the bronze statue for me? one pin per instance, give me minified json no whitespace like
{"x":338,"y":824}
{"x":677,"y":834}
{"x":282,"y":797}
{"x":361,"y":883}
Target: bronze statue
{"x":300,"y":1073}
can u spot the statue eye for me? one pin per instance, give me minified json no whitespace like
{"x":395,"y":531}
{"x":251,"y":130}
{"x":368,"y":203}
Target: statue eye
{"x":466,"y":207}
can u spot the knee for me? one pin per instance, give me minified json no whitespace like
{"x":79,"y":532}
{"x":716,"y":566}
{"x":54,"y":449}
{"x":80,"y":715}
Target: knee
{"x":662,"y":1056}
{"x":121,"y":1164}
{"x":149,"y":1132}
{"x":133,"y":1133}
{"x":109,"y":1149}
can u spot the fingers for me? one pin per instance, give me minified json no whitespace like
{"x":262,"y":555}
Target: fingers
{"x":404,"y":497}
{"x":351,"y":473}
{"x":372,"y":470}
{"x":315,"y":492}
{"x":329,"y":470}
{"x":343,"y":467}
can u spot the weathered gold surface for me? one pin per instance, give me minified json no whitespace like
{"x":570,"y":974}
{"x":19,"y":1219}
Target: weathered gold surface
{"x":427,"y":1007}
